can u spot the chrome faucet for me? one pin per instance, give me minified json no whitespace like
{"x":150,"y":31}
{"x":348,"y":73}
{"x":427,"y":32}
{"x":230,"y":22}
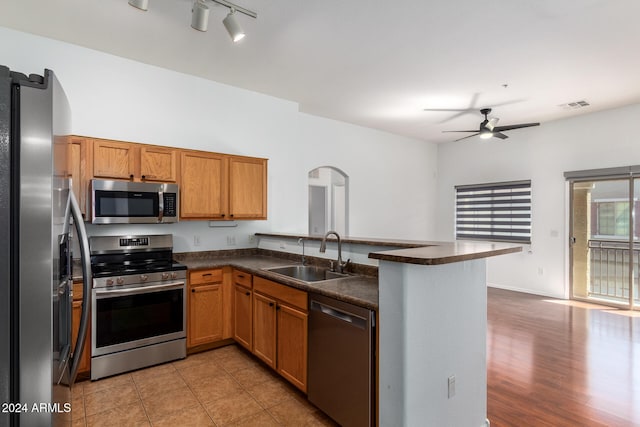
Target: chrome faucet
{"x":301,"y":241}
{"x":323,"y":247}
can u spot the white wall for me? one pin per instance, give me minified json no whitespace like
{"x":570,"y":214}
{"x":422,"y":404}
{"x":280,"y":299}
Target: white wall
{"x":542,"y":154}
{"x":392,"y":178}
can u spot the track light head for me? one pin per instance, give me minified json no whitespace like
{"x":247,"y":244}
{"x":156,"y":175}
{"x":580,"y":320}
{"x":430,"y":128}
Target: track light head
{"x":140,"y":4}
{"x":200,"y":15}
{"x":233,"y":27}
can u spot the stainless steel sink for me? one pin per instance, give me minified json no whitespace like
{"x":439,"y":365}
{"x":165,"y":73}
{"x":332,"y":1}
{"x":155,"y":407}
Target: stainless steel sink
{"x":307,"y":273}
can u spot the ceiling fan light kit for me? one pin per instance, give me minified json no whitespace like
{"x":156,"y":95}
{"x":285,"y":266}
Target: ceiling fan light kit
{"x":200,"y":16}
{"x":488,"y":128}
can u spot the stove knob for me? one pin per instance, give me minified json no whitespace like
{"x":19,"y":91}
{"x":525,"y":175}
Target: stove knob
{"x":109,"y":282}
{"x":144,"y":277}
{"x":174,"y":275}
{"x":165,"y":276}
{"x":120,"y":281}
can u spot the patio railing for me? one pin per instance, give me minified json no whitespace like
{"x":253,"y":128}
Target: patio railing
{"x":609,"y":264}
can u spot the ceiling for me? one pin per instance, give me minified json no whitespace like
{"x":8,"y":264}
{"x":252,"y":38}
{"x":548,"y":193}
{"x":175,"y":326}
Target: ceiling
{"x":379,"y":64}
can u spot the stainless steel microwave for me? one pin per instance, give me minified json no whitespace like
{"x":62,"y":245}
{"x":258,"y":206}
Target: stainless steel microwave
{"x":125,"y":202}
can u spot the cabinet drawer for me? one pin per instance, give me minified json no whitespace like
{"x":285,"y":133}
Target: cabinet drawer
{"x":205,"y":276}
{"x":242,"y":278}
{"x":289,"y":295}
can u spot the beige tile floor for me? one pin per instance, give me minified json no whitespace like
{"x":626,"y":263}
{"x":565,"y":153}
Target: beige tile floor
{"x":221,"y":387}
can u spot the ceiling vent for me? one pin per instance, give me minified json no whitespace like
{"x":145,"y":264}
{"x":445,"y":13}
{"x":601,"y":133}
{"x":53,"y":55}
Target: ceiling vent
{"x":574,"y":105}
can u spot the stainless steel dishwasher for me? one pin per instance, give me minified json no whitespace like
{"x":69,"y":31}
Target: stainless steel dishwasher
{"x":341,"y":379}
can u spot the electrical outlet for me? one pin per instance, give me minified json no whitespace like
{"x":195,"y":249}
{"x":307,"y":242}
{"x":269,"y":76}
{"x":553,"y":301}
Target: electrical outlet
{"x":252,"y":238}
{"x":196,"y":240}
{"x":451,"y":391}
{"x":231,"y":240}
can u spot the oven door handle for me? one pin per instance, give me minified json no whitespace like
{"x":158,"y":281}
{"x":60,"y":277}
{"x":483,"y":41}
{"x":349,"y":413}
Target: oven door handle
{"x":138,"y":290}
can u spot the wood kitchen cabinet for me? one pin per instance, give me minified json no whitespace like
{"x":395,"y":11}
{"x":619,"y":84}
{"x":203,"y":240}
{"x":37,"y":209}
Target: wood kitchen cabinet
{"x":213,"y":186}
{"x":77,"y":167}
{"x":85,"y":362}
{"x":131,"y":161}
{"x":205,"y":320}
{"x":203,"y":185}
{"x":247,"y":188}
{"x":280,"y":329}
{"x":264,"y":328}
{"x":221,"y":187}
{"x":242,"y":309}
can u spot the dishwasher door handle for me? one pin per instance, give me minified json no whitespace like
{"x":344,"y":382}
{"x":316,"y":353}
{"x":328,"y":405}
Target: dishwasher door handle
{"x":339,"y":314}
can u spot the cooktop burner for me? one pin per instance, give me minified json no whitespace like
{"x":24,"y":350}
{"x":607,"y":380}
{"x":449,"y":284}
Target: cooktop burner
{"x":130,"y":255}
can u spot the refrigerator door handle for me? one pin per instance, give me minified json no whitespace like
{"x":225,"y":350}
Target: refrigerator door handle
{"x":86,"y":280}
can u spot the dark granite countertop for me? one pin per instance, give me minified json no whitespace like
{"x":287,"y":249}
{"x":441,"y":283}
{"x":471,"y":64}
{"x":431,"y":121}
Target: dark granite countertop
{"x":356,"y":289}
{"x":420,"y":251}
{"x":446,"y":253}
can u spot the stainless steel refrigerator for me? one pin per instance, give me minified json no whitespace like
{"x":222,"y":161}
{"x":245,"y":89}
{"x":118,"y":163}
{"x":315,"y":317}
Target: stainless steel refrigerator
{"x":37,"y":209}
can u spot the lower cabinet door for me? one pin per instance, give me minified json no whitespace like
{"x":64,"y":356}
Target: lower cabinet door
{"x":205,"y":315}
{"x":242,"y":316}
{"x":85,"y":362}
{"x":264,"y":328}
{"x":292,"y":345}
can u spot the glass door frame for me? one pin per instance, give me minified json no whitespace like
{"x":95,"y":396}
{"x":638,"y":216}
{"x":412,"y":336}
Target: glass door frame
{"x":631,"y":176}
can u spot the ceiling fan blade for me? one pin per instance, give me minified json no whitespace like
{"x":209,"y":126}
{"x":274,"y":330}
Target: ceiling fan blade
{"x":465,"y":137}
{"x":499,"y":135}
{"x":459,"y":112}
{"x":511,"y":127}
{"x":447,"y":131}
{"x":492,"y":123}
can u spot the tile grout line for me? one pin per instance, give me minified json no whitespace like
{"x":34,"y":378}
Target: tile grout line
{"x":144,"y":407}
{"x":193,"y":392}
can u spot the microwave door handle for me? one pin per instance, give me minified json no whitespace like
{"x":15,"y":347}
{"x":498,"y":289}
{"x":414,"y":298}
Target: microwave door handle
{"x":87,"y":278}
{"x":160,"y":206}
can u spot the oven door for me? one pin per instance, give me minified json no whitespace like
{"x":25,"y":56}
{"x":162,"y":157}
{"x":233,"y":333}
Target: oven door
{"x":137,"y":316}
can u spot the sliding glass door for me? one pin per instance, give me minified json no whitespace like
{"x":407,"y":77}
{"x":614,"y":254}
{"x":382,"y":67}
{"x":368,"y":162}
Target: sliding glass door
{"x":605,"y":248}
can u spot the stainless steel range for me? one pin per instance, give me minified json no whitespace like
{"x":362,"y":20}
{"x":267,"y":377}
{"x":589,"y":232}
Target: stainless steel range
{"x":138,"y":303}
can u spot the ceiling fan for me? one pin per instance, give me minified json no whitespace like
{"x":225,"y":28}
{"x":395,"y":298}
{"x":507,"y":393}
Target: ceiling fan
{"x":489,"y":129}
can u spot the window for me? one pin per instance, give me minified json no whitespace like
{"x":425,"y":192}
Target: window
{"x":498,"y":212}
{"x":612,"y":218}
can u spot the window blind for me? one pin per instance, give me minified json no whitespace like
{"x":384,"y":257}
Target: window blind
{"x":496,"y":211}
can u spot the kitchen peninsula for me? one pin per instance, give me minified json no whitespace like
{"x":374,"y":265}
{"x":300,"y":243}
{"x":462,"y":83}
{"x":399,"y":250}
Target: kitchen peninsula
{"x":432,"y":311}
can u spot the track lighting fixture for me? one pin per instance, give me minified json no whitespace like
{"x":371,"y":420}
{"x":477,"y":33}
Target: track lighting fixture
{"x":140,"y":4}
{"x":233,"y":27}
{"x":200,"y":15}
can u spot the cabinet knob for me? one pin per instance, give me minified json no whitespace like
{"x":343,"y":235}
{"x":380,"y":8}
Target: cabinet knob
{"x":248,"y":293}
{"x":131,"y":176}
{"x":270,"y":304}
{"x":231,"y":215}
{"x":222,"y":215}
{"x":144,"y":177}
{"x":277,"y":307}
{"x":193,"y":290}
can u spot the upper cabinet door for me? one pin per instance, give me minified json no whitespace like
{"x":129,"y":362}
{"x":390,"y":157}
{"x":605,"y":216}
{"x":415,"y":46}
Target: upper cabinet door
{"x":203,"y":185}
{"x":158,"y":164}
{"x":112,"y":159}
{"x":247,"y":188}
